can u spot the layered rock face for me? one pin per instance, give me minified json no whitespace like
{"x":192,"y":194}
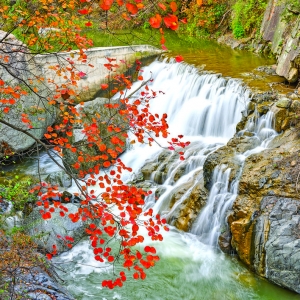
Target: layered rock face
{"x":265,"y":218}
{"x":183,"y":204}
{"x":281,"y":27}
{"x":279,"y":35}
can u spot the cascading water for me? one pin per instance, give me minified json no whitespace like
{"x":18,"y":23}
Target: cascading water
{"x":212,"y":218}
{"x":205,"y":108}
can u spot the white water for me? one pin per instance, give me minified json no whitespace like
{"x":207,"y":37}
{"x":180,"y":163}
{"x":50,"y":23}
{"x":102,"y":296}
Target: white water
{"x":205,"y":109}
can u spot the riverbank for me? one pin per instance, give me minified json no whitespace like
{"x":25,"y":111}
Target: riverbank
{"x":267,"y":27}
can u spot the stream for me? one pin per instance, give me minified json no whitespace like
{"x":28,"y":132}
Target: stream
{"x":205,"y":108}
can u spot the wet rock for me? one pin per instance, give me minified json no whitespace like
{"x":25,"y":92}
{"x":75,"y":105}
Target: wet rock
{"x":288,"y":122}
{"x":295,"y":106}
{"x":263,"y":108}
{"x":279,"y":115}
{"x":159,"y":191}
{"x":224,"y":242}
{"x":293,"y":96}
{"x":284,"y":102}
{"x":145,"y":185}
{"x":242,"y":144}
{"x":148,"y":169}
{"x":270,"y":70}
{"x":186,"y":204}
{"x":248,"y":134}
{"x":251,"y":108}
{"x":267,"y":97}
{"x":59,"y":179}
{"x":37,"y":284}
{"x":265,"y":213}
{"x":179,"y":172}
{"x":241,"y":125}
{"x":224,"y":155}
{"x":293,"y":75}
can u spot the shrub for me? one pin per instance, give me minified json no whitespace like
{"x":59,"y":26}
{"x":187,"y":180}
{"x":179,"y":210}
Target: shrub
{"x":247,"y":16}
{"x":17,"y":191}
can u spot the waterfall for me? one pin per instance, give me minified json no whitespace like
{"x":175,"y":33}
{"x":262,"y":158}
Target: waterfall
{"x":197,"y":104}
{"x":205,"y":108}
{"x":212,"y":217}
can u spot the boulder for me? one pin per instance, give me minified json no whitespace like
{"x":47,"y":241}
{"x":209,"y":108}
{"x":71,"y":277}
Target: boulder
{"x":224,"y":242}
{"x":282,"y":247}
{"x":284,"y":102}
{"x":16,"y":72}
{"x":293,"y":75}
{"x":225,"y":155}
{"x":60,"y":179}
{"x":295,"y":106}
{"x":47,"y":233}
{"x":186,"y":203}
{"x":280,"y":115}
{"x":266,"y":213}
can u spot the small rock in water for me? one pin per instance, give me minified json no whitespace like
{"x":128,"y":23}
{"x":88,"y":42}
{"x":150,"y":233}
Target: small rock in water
{"x":293,"y":163}
{"x":284,"y":102}
{"x":293,"y":75}
{"x":293,"y":96}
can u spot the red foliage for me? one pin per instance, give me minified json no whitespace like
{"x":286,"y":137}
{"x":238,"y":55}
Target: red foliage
{"x":155,"y":21}
{"x":171,"y":22}
{"x":96,"y":207}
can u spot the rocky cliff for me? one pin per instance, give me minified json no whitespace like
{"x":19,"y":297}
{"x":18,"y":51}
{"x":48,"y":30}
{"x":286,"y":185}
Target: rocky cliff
{"x":281,"y":30}
{"x":265,"y":218}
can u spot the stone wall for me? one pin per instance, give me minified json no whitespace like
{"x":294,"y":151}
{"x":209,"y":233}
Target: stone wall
{"x":94,"y":69}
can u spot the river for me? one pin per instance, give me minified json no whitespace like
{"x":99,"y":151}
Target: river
{"x":205,"y":108}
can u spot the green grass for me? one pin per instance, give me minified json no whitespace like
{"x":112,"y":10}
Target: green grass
{"x":105,"y":38}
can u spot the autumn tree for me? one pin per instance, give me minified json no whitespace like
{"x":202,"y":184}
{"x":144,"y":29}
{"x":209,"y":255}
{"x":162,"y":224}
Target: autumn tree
{"x":29,"y":100}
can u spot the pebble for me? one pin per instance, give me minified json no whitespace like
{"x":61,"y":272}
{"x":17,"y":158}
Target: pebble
{"x":293,"y":163}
